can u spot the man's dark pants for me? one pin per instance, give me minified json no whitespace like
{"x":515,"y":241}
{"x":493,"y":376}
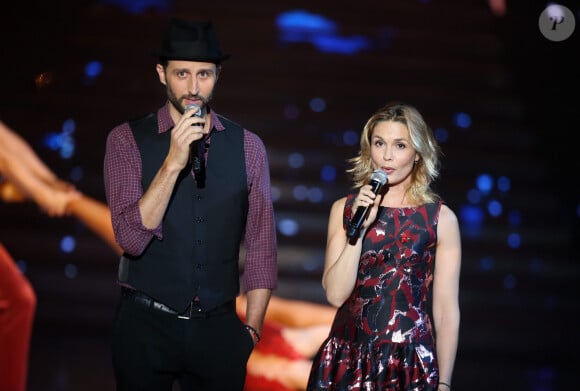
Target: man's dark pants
{"x":153,"y":349}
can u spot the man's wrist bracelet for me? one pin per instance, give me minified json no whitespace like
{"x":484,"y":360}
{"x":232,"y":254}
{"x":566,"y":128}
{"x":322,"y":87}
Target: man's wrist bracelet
{"x":253,"y":332}
{"x":445,"y":384}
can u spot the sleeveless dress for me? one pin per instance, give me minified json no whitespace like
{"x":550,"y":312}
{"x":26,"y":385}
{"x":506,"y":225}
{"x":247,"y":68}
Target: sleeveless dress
{"x":381,"y":337}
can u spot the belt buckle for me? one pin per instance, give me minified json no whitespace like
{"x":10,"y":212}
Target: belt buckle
{"x":187,"y":314}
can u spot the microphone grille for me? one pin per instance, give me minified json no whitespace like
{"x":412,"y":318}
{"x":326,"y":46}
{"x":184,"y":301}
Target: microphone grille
{"x":379,"y":176}
{"x":199,"y":113}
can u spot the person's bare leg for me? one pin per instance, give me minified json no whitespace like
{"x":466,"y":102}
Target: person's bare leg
{"x":299,"y":313}
{"x":97,"y":217}
{"x":15,"y":146}
{"x":306,"y":340}
{"x":22,"y":168}
{"x":290,"y":373}
{"x":9,"y":192}
{"x":50,"y":200}
{"x":17,"y":307}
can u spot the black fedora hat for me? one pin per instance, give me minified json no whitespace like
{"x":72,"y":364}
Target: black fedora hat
{"x":191,"y":41}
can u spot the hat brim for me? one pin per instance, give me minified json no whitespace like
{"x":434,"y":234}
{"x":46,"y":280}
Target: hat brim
{"x":172,"y":56}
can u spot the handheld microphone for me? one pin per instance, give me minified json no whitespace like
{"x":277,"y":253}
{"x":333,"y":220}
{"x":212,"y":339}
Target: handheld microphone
{"x":378,"y":179}
{"x":196,"y":156}
{"x":199,"y":113}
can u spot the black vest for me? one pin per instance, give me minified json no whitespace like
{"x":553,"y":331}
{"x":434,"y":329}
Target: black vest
{"x":202,"y":228}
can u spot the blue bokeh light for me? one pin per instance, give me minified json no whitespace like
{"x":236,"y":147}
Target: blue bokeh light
{"x":471,"y":214}
{"x":514,"y":240}
{"x":341,"y":45}
{"x":288,"y":227}
{"x":68,"y":244}
{"x":462,"y":120}
{"x":350,"y":137}
{"x":69,"y":126}
{"x":315,"y":194}
{"x":484,"y":183}
{"x":317,"y":105}
{"x":77,"y":173}
{"x":276,"y":193}
{"x":302,"y":26}
{"x":139,"y":6}
{"x":441,"y":134}
{"x":487,"y":263}
{"x":474,"y":196}
{"x":296,"y":160}
{"x":93,"y":69}
{"x":71,"y":271}
{"x":328,"y":173}
{"x":62,"y":142}
{"x":304,"y":22}
{"x":471,"y":218}
{"x":503,"y":184}
{"x":300,"y":192}
{"x":494,"y":208}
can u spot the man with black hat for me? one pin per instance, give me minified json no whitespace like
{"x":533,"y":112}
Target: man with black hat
{"x":180,"y":211}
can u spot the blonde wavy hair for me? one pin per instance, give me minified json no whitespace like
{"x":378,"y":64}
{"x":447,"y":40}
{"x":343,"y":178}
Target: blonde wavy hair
{"x":425,"y":171}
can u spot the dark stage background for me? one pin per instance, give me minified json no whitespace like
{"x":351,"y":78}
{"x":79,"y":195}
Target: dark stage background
{"x":493,"y":86}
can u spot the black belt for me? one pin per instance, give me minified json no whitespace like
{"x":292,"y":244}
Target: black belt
{"x":193,"y":310}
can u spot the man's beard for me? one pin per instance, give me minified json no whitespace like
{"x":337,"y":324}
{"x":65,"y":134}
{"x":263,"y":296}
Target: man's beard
{"x":177,"y":102}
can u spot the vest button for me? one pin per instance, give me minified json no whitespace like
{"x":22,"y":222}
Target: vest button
{"x":199,"y":197}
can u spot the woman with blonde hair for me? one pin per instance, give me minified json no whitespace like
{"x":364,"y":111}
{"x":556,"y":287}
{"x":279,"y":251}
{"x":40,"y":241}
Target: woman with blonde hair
{"x":381,"y":274}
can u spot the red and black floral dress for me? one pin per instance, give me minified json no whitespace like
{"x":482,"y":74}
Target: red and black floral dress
{"x":381,"y":337}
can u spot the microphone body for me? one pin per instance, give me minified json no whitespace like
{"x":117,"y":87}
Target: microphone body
{"x":378,"y":179}
{"x":197,"y":149}
{"x":196,"y":156}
